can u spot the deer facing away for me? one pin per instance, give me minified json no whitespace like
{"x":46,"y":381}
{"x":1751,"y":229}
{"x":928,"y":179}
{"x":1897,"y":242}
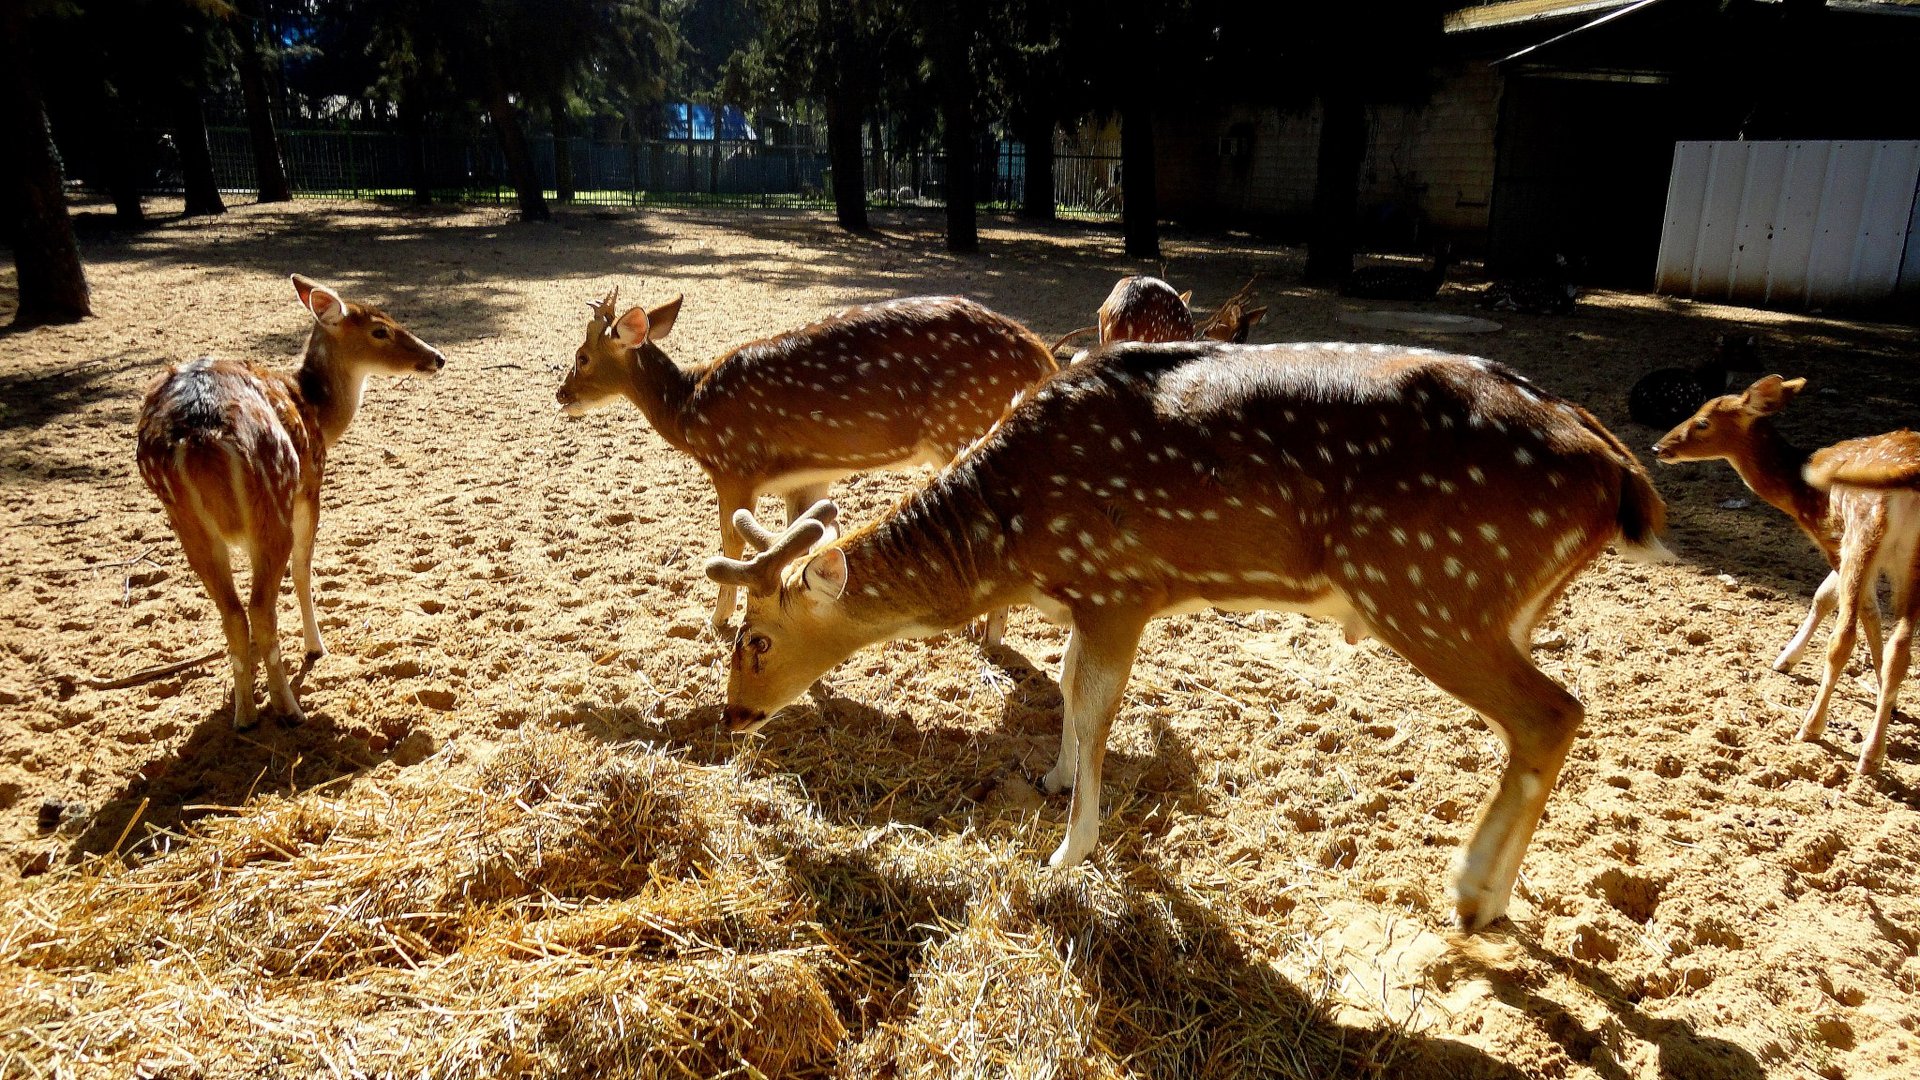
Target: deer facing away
{"x":1859,"y":501}
{"x":236,"y":452}
{"x":887,"y":386}
{"x":1439,"y":503}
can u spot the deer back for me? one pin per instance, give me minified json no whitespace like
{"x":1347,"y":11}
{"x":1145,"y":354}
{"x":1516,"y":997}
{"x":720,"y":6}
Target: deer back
{"x":872,"y":386}
{"x":1142,"y":308}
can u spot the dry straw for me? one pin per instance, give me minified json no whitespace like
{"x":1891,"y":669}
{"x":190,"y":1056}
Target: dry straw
{"x":567,"y":907}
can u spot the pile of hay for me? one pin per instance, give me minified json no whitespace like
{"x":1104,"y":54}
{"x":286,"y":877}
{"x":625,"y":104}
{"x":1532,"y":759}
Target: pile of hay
{"x":567,"y":907}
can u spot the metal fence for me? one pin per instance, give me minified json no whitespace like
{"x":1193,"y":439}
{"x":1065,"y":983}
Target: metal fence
{"x":354,"y":164}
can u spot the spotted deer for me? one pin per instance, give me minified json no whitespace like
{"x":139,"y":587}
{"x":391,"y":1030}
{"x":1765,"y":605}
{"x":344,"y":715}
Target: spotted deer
{"x":1739,"y":429}
{"x":885,"y":386}
{"x":1142,"y":308}
{"x":1858,"y":501}
{"x":1439,"y":503}
{"x":236,"y":452}
{"x":1147,"y":309}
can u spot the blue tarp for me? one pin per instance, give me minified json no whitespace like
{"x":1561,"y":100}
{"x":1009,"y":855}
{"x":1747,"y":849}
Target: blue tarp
{"x":689,"y":121}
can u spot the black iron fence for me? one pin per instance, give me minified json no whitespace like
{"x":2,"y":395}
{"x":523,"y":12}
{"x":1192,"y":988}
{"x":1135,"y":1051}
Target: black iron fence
{"x":355,"y":164}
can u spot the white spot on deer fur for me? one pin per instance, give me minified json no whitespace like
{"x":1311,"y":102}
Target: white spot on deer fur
{"x":1452,"y":566}
{"x":1413,"y":574}
{"x":1522,"y":455}
{"x":1566,"y":543}
{"x":1474,"y":474}
{"x":1473,"y":578}
{"x":1399,"y":535}
{"x":1426,"y":540}
{"x":1538,"y":517}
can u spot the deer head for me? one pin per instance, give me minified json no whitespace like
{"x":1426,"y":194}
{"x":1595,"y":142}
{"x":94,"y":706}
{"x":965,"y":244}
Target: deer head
{"x":1723,"y":428}
{"x":362,"y":338}
{"x":603,"y":366}
{"x":792,"y":630}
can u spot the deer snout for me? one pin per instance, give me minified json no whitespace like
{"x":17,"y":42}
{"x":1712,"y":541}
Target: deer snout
{"x":739,"y":719}
{"x":431,"y":363}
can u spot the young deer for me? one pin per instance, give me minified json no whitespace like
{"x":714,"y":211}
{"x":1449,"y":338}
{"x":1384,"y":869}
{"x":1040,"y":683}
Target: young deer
{"x":1874,"y":484}
{"x":1858,"y":501}
{"x":1739,"y":428}
{"x":1440,"y":503}
{"x":236,"y":453}
{"x":887,"y":386}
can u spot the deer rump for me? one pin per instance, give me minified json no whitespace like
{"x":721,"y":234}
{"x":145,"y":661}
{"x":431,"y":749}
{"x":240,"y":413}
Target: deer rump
{"x":227,"y":439}
{"x":1426,"y":498}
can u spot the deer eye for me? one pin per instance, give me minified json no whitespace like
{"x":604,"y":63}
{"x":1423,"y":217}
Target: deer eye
{"x":380,"y":332}
{"x":1702,"y":424}
{"x":580,"y":358}
{"x":758,"y":644}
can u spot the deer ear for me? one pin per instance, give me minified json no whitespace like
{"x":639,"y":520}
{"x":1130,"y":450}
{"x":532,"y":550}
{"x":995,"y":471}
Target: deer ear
{"x":827,"y":572}
{"x":632,"y":328}
{"x":661,"y":319}
{"x":1254,"y":316}
{"x":326,"y":305}
{"x":1187,"y":297}
{"x":1772,"y":393}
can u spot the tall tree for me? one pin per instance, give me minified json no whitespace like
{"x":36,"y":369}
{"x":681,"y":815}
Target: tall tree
{"x":53,"y":284}
{"x":190,"y":43}
{"x":955,"y":53}
{"x":250,"y":59}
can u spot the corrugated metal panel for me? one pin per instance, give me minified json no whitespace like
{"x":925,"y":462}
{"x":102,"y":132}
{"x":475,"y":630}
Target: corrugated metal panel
{"x":1796,"y":223}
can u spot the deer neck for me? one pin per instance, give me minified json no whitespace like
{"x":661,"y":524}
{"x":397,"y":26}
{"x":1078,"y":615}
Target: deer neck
{"x":330,"y":387}
{"x":660,"y":389}
{"x":925,"y":567}
{"x":1771,"y":466}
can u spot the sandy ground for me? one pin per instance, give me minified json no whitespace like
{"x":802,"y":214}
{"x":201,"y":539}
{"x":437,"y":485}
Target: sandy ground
{"x":1706,"y":897}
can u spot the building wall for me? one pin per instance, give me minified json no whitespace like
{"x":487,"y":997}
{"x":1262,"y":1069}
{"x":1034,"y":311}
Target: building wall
{"x":1429,"y":168}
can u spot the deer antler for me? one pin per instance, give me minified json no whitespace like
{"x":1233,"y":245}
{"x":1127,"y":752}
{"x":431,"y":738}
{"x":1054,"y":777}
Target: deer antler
{"x":603,"y":308}
{"x":1082,"y":332}
{"x":760,"y":575}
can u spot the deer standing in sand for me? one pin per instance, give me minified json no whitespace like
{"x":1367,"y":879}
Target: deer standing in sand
{"x":886,"y":386}
{"x":236,"y":452}
{"x":1439,"y":503}
{"x":1858,"y":501}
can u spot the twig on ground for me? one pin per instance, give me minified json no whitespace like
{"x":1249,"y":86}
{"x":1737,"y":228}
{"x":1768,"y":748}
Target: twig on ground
{"x":152,"y":674}
{"x":90,"y":566}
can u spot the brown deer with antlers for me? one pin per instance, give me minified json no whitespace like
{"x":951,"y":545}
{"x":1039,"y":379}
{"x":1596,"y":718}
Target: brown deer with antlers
{"x":1440,"y":503}
{"x":1858,"y":501}
{"x":886,"y":386}
{"x":236,"y":452}
{"x":1147,"y":309}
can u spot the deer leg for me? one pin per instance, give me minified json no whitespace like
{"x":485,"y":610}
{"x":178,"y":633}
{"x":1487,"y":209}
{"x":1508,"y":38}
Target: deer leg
{"x":1092,"y":693}
{"x":801,"y":500}
{"x":991,"y":627}
{"x":306,"y":523}
{"x":269,"y":555}
{"x":733,"y":497}
{"x":1537,"y":719}
{"x":207,"y":553}
{"x":1893,"y":670}
{"x":1059,"y":779}
{"x":1853,"y":582}
{"x":1823,"y":601}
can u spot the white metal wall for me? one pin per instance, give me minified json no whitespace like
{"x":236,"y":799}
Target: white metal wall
{"x":1791,"y":223}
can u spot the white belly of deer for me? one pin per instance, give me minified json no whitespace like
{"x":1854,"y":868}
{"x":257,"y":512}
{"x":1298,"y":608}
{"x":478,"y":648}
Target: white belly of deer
{"x":787,"y":483}
{"x":1329,"y":604}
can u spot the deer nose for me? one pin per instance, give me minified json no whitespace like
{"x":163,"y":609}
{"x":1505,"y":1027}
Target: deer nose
{"x":739,"y":718}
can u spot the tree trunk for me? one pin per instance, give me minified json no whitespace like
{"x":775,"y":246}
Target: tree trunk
{"x":562,"y":147}
{"x":877,"y":155}
{"x":413,"y":126}
{"x":1140,"y":206}
{"x":53,"y":284}
{"x":1336,"y":187}
{"x":1036,"y":134}
{"x":124,"y":168}
{"x":269,"y":170}
{"x":843,"y":152}
{"x":196,"y":156}
{"x":962,"y":145}
{"x":513,"y":144}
